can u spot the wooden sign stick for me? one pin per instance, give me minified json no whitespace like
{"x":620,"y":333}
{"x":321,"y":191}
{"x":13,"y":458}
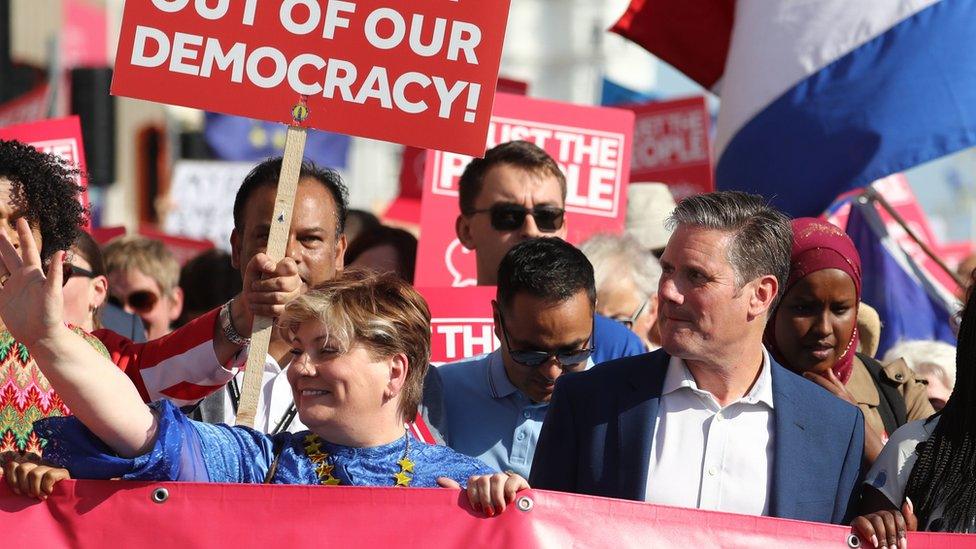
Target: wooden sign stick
{"x":277,"y":240}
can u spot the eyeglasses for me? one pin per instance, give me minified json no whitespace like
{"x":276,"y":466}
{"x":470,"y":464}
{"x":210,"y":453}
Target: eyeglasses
{"x":629,"y":321}
{"x":533,"y":359}
{"x":141,"y":301}
{"x":68,"y":271}
{"x":509,"y":217}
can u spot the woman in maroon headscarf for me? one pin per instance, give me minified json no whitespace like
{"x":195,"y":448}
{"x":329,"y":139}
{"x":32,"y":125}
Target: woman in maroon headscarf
{"x":813,"y":332}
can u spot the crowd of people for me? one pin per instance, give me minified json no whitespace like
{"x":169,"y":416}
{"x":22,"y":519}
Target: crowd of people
{"x":710,"y":358}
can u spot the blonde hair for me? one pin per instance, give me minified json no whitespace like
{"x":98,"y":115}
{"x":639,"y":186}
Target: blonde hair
{"x":150,"y":257}
{"x":380,"y":312}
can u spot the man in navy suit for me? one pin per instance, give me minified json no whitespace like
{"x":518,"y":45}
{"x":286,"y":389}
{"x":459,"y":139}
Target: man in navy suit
{"x":710,"y":421}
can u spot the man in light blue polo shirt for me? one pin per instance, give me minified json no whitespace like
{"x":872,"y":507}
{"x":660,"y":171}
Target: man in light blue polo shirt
{"x":495,"y":404}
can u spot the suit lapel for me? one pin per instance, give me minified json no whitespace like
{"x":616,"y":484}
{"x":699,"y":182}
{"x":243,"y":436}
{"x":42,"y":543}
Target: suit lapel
{"x":637,"y":414}
{"x":789,"y":440}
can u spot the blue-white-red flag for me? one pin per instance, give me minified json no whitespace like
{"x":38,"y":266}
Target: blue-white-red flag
{"x":821,"y":96}
{"x":911,"y":304}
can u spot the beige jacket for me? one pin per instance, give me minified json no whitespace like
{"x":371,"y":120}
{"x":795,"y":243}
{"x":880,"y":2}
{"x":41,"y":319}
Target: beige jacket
{"x":865,"y":392}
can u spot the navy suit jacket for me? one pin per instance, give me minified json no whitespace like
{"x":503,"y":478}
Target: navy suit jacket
{"x":597,"y":437}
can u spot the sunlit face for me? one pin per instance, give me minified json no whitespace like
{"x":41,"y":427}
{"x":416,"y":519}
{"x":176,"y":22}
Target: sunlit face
{"x":129,"y":290}
{"x":623,"y":302}
{"x":816,"y":320}
{"x":83,"y":294}
{"x":702,"y":313}
{"x":312,"y":240}
{"x":506,"y":184}
{"x":338,"y":393}
{"x":533,"y":324}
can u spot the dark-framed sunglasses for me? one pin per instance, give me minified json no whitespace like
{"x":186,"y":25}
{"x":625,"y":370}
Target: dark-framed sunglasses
{"x":533,"y":359}
{"x":629,"y":321}
{"x":509,"y":217}
{"x":141,"y":301}
{"x":69,"y":271}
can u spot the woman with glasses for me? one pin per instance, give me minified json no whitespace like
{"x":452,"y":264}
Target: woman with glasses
{"x":361,"y":348}
{"x":85,"y":285}
{"x":813,"y":332}
{"x":626,"y":283}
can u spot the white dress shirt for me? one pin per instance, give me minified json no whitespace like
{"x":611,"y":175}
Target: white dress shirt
{"x":708,"y":457}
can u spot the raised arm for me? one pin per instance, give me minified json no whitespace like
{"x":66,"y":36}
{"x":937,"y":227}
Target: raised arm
{"x":98,"y":393}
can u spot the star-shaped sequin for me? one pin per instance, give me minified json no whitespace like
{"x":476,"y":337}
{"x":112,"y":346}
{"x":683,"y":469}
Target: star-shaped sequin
{"x":406,"y":465}
{"x":402,"y":479}
{"x":331,"y":481}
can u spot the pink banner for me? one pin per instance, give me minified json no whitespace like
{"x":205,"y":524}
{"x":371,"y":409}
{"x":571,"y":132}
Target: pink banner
{"x":139,"y":514}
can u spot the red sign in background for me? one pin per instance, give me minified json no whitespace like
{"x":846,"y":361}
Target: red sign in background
{"x":102,"y":514}
{"x":590,"y":144}
{"x":461,"y":324}
{"x":420,"y":73}
{"x":406,"y":207}
{"x":60,"y":137}
{"x":672,"y":145}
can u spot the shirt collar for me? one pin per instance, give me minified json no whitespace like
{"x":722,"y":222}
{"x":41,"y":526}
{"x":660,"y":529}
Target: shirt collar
{"x":678,"y":377}
{"x":498,"y":383}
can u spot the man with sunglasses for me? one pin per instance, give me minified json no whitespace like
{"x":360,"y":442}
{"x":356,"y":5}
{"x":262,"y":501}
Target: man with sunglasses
{"x":494,"y":404}
{"x":515,"y":193}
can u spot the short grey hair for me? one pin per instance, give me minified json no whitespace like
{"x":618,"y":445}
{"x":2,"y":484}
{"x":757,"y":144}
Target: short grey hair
{"x":762,"y":236}
{"x":620,"y":256}
{"x":924,"y":356}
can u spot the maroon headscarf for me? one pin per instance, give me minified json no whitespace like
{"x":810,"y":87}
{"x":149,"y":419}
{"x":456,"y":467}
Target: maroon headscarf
{"x":819,"y":245}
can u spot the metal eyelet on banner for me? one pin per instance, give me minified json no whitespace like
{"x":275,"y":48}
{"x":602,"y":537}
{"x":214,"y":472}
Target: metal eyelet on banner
{"x":853,"y":540}
{"x":160,"y":495}
{"x":525,"y":504}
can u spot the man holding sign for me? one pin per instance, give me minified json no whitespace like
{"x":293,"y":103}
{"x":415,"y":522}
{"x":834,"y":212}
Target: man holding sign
{"x":314,"y":251}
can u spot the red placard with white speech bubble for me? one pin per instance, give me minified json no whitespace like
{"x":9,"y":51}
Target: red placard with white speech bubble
{"x":590,"y":144}
{"x":461,"y":324}
{"x":60,"y":137}
{"x":420,"y":73}
{"x":672,"y":145}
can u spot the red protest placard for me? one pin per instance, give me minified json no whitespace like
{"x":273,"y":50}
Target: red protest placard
{"x":461,"y":324}
{"x":406,"y":207}
{"x":60,"y":137}
{"x":672,"y":145}
{"x":591,"y":146}
{"x":420,"y":73}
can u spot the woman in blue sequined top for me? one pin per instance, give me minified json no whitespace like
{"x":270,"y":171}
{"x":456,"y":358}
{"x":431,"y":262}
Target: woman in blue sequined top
{"x":361,"y":345}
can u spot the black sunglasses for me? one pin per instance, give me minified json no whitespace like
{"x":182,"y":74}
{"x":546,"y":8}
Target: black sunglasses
{"x":533,"y":359}
{"x":142,"y":301}
{"x":509,"y":217}
{"x":68,"y":271}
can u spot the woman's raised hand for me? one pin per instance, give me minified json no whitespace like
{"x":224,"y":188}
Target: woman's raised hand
{"x":30,"y":301}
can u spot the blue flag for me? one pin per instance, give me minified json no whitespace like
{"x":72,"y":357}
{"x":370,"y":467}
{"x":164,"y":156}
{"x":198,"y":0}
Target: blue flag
{"x":911,"y":305}
{"x":244,"y":139}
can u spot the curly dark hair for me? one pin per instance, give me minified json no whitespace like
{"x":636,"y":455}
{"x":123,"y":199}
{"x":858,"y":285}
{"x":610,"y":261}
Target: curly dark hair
{"x":45,"y":190}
